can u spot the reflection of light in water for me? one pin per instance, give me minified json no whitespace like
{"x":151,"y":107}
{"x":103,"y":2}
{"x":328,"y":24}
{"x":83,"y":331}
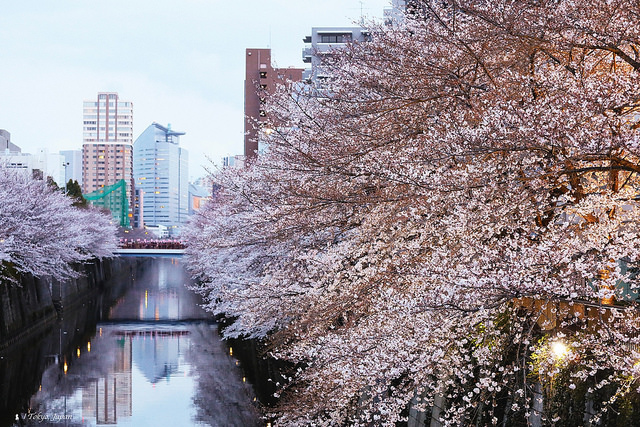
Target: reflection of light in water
{"x":127,"y":358}
{"x":158,"y":305}
{"x":162,"y":276}
{"x":152,"y":372}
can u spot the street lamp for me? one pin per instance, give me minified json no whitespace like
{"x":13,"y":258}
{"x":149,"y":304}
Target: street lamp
{"x":559,"y":349}
{"x":64,"y":165}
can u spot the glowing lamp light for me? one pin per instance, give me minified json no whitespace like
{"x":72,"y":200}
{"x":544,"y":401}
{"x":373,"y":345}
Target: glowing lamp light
{"x":89,"y":346}
{"x":78,"y":352}
{"x":230,"y":351}
{"x":559,"y":349}
{"x":65,"y":368}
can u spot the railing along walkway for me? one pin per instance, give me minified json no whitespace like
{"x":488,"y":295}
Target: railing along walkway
{"x":151,"y":248}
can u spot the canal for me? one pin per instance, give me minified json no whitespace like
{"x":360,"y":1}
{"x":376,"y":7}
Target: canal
{"x":142,"y":353}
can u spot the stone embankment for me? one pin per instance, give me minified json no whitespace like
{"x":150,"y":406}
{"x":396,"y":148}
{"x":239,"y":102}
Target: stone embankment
{"x":36,"y":302}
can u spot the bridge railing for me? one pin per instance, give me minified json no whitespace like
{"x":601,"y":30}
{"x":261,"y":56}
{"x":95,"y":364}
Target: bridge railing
{"x":151,"y":244}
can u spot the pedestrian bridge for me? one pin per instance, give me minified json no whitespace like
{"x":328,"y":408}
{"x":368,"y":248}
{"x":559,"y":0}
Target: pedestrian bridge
{"x":149,"y":252}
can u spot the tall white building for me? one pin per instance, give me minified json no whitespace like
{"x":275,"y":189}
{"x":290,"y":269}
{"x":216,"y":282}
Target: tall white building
{"x":51,"y":164}
{"x":161,"y":173}
{"x":321,"y":43}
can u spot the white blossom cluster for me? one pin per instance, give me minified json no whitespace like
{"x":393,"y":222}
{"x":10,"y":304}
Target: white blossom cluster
{"x":463,"y":196}
{"x":43,"y":234}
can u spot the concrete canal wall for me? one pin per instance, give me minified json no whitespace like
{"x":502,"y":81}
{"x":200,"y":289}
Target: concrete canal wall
{"x":35,"y":302}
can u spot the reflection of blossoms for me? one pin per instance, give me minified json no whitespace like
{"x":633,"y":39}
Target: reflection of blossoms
{"x":221,"y":398}
{"x":467,"y":185}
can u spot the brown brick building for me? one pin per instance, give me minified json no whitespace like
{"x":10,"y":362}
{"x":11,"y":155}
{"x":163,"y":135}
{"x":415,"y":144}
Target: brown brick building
{"x":260,"y":80}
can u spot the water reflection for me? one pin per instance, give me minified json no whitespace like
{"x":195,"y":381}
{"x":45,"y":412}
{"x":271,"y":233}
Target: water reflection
{"x":159,"y":294}
{"x":155,"y":359}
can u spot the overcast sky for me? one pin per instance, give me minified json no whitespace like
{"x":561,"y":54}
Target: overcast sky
{"x":179,"y":62}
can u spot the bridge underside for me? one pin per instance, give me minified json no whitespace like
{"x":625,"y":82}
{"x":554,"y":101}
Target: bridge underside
{"x":149,"y":252}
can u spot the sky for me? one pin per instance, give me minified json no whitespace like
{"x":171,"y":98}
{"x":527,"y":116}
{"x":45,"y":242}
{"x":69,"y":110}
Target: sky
{"x":180,"y":62}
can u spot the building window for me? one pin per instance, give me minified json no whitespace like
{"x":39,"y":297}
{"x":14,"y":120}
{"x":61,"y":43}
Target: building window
{"x":263,"y":74}
{"x":335,"y":38}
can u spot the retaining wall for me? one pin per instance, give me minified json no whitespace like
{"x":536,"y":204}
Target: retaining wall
{"x":35,"y":302}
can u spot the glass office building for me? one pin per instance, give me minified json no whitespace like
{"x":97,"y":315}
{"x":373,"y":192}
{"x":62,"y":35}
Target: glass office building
{"x":161,"y":173}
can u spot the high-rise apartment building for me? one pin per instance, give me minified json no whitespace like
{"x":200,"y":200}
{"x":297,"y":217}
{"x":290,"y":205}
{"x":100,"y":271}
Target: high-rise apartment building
{"x":260,"y":80}
{"x":161,"y":171}
{"x":107,"y":149}
{"x":321,"y":42}
{"x":108,"y":119}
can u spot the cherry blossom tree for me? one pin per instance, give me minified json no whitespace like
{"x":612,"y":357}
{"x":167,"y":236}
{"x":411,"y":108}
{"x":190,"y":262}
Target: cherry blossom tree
{"x":451,"y":228}
{"x":42,"y":233}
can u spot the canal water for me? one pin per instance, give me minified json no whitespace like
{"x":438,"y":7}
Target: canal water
{"x":142,"y":354}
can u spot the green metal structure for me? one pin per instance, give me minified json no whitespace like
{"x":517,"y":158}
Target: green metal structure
{"x":114,"y":198}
